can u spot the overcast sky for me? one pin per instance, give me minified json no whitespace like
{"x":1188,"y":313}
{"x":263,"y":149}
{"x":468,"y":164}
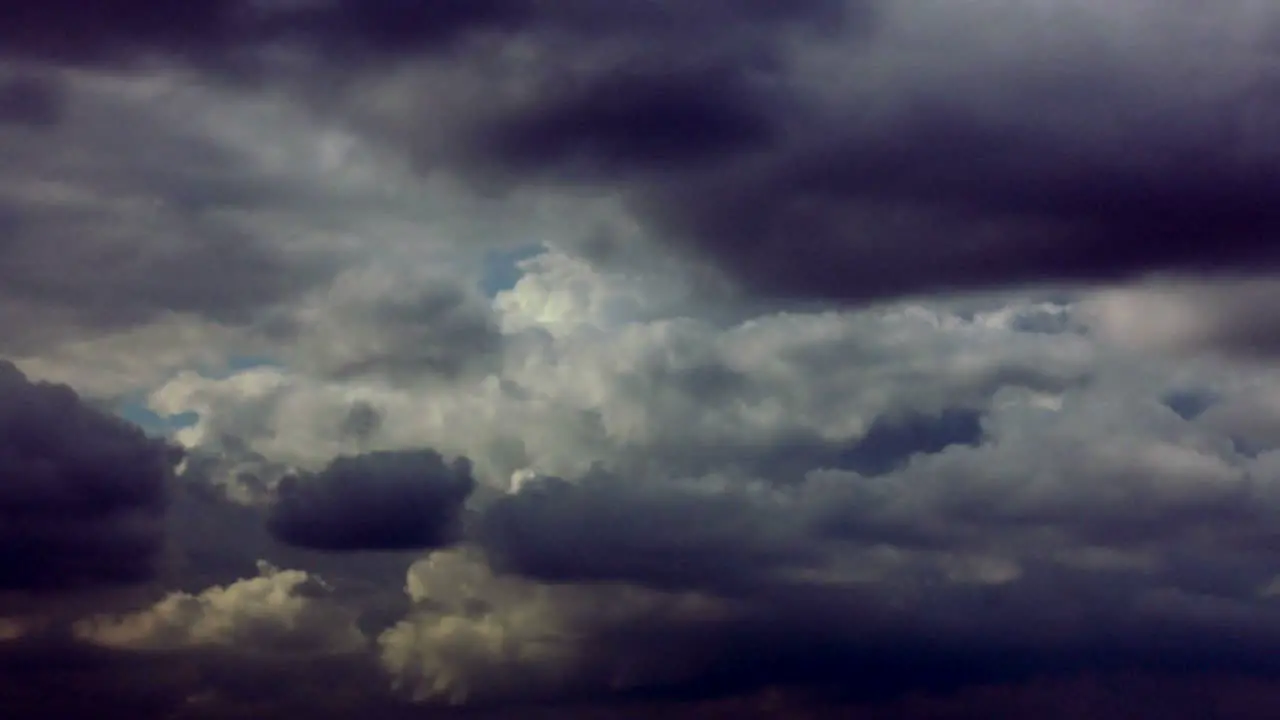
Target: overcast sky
{"x":609,"y":358}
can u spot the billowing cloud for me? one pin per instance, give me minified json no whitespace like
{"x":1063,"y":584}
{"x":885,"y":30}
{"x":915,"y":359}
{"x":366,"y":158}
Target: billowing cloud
{"x":278,"y":612}
{"x":378,"y":501}
{"x":589,"y":376}
{"x":82,"y":493}
{"x":962,"y":483}
{"x":1073,"y":529}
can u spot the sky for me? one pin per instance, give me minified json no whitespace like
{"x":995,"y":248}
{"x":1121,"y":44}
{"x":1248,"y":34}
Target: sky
{"x":585,"y":359}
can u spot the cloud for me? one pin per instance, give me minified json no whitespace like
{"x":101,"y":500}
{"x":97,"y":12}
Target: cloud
{"x":1226,"y":318}
{"x":224,"y":34}
{"x":123,"y":215}
{"x":589,"y":373}
{"x":381,"y":324}
{"x":1073,"y":531}
{"x":482,"y":637}
{"x":30,"y":100}
{"x":902,"y":175}
{"x":230,"y":34}
{"x":838,"y":359}
{"x":848,"y":151}
{"x":280,"y":611}
{"x":83,"y":496}
{"x":858,"y":127}
{"x":604,"y":528}
{"x":376,"y":501}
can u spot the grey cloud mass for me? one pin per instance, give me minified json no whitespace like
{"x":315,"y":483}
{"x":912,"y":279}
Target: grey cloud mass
{"x":117,"y":217}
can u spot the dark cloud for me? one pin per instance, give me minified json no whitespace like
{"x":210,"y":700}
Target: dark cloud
{"x":228,"y":34}
{"x":604,"y":528}
{"x":115,"y":217}
{"x":1051,"y":542}
{"x":219,"y":535}
{"x":232,"y":34}
{"x":377,"y":501}
{"x":971,"y":203}
{"x":156,"y":685}
{"x":906,"y":502}
{"x":30,"y":100}
{"x":919,"y":177}
{"x":726,"y":131}
{"x":82,"y":493}
{"x":636,"y":121}
{"x":196,"y":683}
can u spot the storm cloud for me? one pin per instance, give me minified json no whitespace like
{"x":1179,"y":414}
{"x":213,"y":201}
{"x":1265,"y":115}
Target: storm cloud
{"x":82,"y":493}
{"x":745,"y":357}
{"x":378,"y":501}
{"x":874,"y":168}
{"x":854,"y":151}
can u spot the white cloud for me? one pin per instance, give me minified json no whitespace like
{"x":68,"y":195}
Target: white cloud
{"x":615,"y":381}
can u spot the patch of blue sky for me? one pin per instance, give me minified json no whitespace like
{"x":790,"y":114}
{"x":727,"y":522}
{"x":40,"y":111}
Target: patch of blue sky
{"x":135,"y":410}
{"x":502,"y":268}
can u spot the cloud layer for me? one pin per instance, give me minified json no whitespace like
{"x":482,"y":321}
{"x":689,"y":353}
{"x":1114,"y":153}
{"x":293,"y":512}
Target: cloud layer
{"x":638,"y":357}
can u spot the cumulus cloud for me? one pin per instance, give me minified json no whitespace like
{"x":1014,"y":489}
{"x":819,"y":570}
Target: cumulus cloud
{"x":476,"y":635}
{"x":377,"y":501}
{"x":280,"y":611}
{"x":579,"y":384}
{"x":1073,"y":528}
{"x":82,"y":493}
{"x":944,"y":480}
